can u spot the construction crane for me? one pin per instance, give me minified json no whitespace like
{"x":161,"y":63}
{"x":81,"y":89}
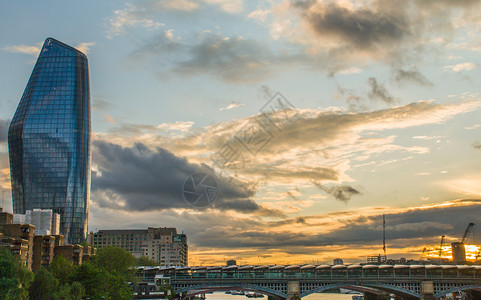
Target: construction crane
{"x":458,"y":250}
{"x":441,"y":247}
{"x":424,"y":250}
{"x":467,"y":232}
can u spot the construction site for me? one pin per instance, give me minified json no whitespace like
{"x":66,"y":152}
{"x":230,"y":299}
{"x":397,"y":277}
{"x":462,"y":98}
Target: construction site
{"x":462,"y":250}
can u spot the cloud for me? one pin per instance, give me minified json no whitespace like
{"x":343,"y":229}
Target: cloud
{"x":4,"y":124}
{"x":99,"y":104}
{"x":472,"y":127}
{"x":363,"y":28}
{"x":427,"y":138}
{"x":109,"y":118}
{"x":143,"y":14}
{"x":309,"y":145}
{"x":259,"y":14}
{"x":412,"y":75}
{"x":235,"y":60}
{"x":338,"y":35}
{"x":130,"y":16}
{"x":477,"y":145}
{"x":180,"y":5}
{"x":468,"y":66}
{"x":416,"y":226}
{"x":232,"y":105}
{"x":143,"y":179}
{"x":25,"y":49}
{"x":379,"y":92}
{"x":339,"y":192}
{"x":230,"y":6}
{"x":85,"y":47}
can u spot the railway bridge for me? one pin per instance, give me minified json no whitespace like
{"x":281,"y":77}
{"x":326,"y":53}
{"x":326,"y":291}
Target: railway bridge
{"x":297,"y":281}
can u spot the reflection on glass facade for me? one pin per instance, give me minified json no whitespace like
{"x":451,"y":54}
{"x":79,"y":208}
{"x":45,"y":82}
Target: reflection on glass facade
{"x":49,"y":140}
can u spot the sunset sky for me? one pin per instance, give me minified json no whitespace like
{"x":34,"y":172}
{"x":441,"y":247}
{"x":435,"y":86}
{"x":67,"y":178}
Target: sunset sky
{"x":384,"y":118}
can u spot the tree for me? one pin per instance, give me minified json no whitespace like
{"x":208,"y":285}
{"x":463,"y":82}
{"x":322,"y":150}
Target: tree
{"x":116,"y":260}
{"x":100,"y":283}
{"x":15,"y":278}
{"x":77,"y":291}
{"x":45,"y":286}
{"x":116,"y":287}
{"x":61,"y":269}
{"x":146,"y":261}
{"x":92,"y":280}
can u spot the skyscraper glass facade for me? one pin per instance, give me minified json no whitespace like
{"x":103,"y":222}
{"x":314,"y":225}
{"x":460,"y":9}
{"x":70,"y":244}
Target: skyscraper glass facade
{"x":49,"y":140}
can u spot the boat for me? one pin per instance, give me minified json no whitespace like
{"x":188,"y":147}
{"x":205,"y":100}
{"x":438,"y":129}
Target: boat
{"x":254,"y":295}
{"x":237,"y":292}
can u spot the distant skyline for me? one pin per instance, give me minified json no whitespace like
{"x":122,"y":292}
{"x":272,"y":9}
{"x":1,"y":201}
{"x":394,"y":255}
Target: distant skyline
{"x":387,"y":119}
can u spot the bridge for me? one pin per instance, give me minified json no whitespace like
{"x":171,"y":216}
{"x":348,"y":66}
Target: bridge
{"x":297,"y":281}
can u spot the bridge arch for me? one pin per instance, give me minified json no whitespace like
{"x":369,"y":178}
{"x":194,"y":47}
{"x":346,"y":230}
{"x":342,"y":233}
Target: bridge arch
{"x":381,"y":287}
{"x":458,"y":289}
{"x":201,"y":289}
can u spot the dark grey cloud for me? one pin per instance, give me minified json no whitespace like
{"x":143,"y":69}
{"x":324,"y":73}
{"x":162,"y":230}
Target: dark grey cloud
{"x":416,"y":227}
{"x":143,"y":179}
{"x":4,"y":124}
{"x":362,"y":28}
{"x":411,"y":75}
{"x":419,"y":225}
{"x":379,"y":92}
{"x":235,"y":59}
{"x":340,"y":192}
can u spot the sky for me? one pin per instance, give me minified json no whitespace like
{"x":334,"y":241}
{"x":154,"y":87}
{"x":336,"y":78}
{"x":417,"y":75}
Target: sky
{"x":312,"y":118}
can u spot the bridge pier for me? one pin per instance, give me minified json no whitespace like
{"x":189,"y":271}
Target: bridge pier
{"x":427,"y":290}
{"x":293,"y":290}
{"x":274,"y":298}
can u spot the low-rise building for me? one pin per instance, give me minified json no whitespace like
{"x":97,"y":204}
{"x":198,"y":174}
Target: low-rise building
{"x":36,"y":251}
{"x":43,"y":251}
{"x":21,"y":232}
{"x":72,"y":253}
{"x":161,"y":244}
{"x":45,"y":220}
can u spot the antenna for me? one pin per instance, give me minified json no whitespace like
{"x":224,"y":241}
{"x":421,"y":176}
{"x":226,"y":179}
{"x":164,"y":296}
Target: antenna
{"x":384,"y":235}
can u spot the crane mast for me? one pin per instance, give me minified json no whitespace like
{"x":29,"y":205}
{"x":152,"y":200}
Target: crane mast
{"x":441,"y":246}
{"x":467,"y":232}
{"x":458,"y":249}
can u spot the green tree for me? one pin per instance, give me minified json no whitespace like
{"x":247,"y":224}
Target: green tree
{"x":45,"y":286}
{"x":77,"y":291}
{"x":100,"y":283}
{"x":116,"y":260}
{"x":15,"y":278}
{"x":116,"y":287}
{"x":61,"y":269}
{"x":91,"y":278}
{"x":146,"y":261}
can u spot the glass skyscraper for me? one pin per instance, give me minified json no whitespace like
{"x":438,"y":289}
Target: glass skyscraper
{"x":49,"y":140}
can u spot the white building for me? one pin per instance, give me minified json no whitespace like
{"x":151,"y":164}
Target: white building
{"x":45,"y":221}
{"x":162,"y":244}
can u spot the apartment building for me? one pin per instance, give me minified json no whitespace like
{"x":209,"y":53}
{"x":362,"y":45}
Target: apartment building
{"x":161,"y":244}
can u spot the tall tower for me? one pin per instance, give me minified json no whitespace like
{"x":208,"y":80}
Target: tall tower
{"x":49,"y":140}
